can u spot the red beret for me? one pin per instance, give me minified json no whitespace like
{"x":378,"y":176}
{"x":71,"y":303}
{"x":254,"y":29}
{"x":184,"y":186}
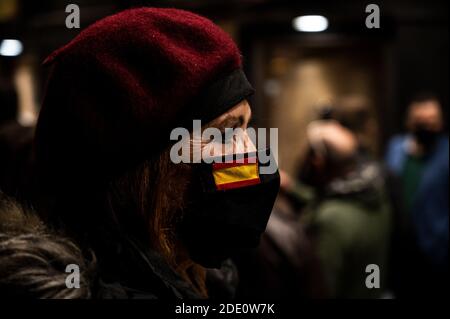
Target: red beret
{"x":117,"y":90}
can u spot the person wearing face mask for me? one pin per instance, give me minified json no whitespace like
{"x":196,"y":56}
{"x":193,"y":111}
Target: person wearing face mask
{"x":103,"y":153}
{"x":420,"y":160}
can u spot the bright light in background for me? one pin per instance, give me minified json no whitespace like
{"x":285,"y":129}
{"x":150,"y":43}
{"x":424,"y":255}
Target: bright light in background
{"x":311,"y":23}
{"x":10,"y":47}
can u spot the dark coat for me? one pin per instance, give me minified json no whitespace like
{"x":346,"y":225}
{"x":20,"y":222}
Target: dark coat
{"x":138,"y":273}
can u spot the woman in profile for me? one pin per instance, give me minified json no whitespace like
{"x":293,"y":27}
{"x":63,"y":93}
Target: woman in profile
{"x":102,"y":149}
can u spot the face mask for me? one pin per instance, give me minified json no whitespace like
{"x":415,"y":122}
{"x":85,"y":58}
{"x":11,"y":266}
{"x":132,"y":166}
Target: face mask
{"x":424,"y":136}
{"x":229,"y":210}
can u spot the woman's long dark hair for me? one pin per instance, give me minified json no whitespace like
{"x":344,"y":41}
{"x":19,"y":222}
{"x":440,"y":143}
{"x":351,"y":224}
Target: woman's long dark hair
{"x":145,"y":202}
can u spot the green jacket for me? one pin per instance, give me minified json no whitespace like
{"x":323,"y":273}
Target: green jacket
{"x":350,"y":228}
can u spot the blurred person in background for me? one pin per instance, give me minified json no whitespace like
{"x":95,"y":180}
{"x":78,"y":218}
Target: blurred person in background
{"x":420,"y":159}
{"x":349,"y":219}
{"x":355,"y":113}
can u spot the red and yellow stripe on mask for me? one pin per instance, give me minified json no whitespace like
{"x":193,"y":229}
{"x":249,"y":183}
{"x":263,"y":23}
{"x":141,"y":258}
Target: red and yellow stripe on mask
{"x":236,"y":174}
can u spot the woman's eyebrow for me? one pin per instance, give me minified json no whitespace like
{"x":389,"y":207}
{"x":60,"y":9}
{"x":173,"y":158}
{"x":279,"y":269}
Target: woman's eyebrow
{"x":230,"y":121}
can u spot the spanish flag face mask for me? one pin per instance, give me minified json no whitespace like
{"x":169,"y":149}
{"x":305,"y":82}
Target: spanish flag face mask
{"x":229,"y":207}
